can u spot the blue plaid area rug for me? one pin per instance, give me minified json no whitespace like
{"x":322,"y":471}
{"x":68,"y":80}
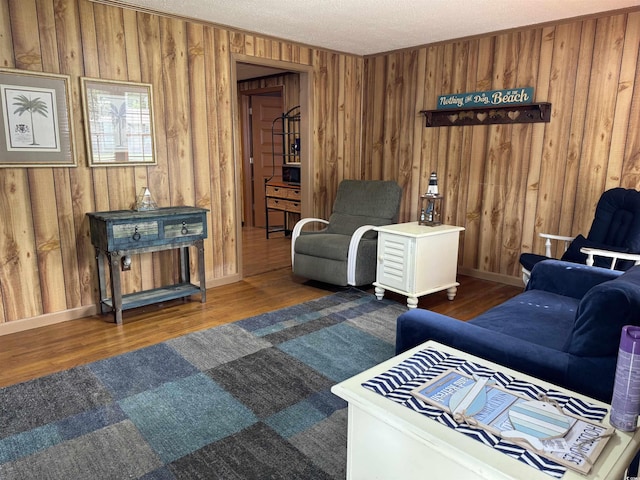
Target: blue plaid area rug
{"x":247,"y":400}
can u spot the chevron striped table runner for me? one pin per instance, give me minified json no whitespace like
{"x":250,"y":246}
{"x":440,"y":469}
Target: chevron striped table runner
{"x":397,"y":383}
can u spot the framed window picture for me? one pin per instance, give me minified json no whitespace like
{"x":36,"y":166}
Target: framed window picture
{"x":36,"y":123}
{"x":118,"y":123}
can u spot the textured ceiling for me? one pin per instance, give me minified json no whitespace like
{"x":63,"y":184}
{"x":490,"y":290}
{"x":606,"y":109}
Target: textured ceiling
{"x":365,"y":27}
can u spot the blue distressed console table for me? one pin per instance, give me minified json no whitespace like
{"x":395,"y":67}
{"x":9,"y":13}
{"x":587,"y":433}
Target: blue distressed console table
{"x":116,"y":234}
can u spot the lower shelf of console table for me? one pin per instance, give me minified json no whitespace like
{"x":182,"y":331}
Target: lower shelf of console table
{"x":156,"y":295}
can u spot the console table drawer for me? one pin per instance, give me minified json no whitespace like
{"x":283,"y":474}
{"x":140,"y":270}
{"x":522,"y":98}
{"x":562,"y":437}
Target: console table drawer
{"x":183,"y":228}
{"x":131,"y":234}
{"x":128,"y":229}
{"x":285,"y":205}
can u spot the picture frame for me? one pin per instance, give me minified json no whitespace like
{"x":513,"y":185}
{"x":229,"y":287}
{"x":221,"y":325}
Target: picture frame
{"x":36,"y":120}
{"x":119,"y":125}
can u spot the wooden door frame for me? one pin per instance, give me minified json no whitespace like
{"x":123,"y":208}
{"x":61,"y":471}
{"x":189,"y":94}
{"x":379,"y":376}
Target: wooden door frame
{"x":306,"y":138}
{"x":247,"y":140}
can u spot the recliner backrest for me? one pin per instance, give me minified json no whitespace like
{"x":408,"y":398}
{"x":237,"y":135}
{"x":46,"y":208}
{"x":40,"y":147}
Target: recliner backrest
{"x":364,"y":202}
{"x":617,"y":219}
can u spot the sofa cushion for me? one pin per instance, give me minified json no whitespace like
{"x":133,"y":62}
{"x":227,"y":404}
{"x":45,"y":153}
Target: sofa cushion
{"x":539,"y":317}
{"x":602,"y":313}
{"x":573,"y":253}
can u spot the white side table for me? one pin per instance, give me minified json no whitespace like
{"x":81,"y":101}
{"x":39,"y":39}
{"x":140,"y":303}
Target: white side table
{"x":416,"y":260}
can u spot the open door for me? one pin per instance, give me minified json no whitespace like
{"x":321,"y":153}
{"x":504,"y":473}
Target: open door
{"x":265,"y":109}
{"x":260,"y":107}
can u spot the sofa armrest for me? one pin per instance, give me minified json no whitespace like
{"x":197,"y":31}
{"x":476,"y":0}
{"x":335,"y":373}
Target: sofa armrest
{"x":567,"y":278}
{"x":418,"y":326}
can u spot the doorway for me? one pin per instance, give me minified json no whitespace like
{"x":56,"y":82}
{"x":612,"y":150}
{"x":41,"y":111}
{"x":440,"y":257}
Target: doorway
{"x":262,"y":248}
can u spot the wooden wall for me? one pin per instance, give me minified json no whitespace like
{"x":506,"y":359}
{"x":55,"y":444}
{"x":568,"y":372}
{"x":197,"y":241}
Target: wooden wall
{"x":503,"y":183}
{"x":47,"y":264}
{"x":507,"y":183}
{"x":290,"y":83}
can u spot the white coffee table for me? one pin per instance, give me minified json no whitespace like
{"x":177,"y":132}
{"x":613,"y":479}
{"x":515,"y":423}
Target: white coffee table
{"x":389,"y":441}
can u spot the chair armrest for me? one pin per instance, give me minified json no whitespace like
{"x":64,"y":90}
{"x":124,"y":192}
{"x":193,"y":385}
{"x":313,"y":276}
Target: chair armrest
{"x":614,"y":256}
{"x":353,"y":252}
{"x":567,"y":278}
{"x":547,"y":244}
{"x":297,"y":229}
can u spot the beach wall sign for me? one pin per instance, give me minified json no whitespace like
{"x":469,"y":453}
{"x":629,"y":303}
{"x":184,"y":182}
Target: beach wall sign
{"x":492,"y":98}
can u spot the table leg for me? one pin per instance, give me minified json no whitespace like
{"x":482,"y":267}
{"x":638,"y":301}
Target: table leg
{"x":116,"y":285}
{"x":185,"y":272}
{"x":451,"y":292}
{"x":201,"y":270}
{"x":102,"y":283}
{"x":412,"y":302}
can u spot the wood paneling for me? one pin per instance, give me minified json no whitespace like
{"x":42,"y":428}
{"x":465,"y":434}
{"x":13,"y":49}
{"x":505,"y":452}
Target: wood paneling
{"x":504,"y":183}
{"x":46,"y":258}
{"x":507,"y":183}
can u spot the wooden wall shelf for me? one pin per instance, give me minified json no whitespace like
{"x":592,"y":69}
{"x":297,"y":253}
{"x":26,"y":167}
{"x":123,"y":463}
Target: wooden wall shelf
{"x":454,"y":117}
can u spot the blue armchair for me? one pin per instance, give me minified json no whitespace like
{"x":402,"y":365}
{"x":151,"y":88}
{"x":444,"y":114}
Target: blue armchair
{"x":564,"y":328}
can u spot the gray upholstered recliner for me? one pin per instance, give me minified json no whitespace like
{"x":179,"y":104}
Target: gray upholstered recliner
{"x":344,"y":252}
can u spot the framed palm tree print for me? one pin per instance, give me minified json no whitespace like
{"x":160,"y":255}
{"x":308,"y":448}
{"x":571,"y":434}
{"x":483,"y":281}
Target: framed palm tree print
{"x":36,"y":123}
{"x":118,"y":123}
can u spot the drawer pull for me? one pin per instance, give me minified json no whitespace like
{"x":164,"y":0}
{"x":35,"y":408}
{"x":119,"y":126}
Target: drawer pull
{"x":136,"y":235}
{"x":184,"y":229}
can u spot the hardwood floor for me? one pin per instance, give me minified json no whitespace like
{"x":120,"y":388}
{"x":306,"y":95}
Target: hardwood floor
{"x":268,"y":285}
{"x":261,"y":255}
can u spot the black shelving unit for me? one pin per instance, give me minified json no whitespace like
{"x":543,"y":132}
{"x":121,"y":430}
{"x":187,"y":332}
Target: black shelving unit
{"x":287,"y":127}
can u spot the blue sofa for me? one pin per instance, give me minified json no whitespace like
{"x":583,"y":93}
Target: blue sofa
{"x":564,"y":328}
